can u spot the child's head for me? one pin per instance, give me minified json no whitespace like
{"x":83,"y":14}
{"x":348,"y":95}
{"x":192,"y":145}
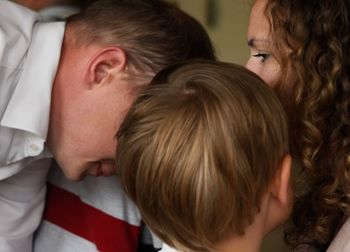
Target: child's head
{"x":199,"y":151}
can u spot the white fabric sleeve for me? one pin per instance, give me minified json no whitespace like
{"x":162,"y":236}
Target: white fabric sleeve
{"x":167,"y":248}
{"x":22,"y":199}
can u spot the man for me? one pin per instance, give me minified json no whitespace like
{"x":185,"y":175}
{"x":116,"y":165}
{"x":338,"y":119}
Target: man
{"x":64,"y":89}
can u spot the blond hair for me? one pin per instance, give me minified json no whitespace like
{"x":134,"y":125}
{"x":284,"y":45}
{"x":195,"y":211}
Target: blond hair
{"x":198,"y":149}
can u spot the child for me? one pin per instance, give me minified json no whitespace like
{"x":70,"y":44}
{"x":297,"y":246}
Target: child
{"x":204,"y":154}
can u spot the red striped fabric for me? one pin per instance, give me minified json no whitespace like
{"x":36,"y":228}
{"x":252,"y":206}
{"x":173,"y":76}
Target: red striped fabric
{"x":108,"y":233}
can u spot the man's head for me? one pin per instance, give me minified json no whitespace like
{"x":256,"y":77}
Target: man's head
{"x":109,"y":50}
{"x":202,"y":150}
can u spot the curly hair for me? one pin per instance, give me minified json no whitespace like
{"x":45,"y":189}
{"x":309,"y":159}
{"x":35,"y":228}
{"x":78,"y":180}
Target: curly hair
{"x":317,"y":32}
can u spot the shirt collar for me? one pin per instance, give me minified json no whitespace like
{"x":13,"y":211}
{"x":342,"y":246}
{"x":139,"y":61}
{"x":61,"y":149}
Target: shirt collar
{"x":29,"y":107}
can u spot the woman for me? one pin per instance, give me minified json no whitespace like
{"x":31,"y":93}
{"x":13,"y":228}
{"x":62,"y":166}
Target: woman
{"x":302,"y":49}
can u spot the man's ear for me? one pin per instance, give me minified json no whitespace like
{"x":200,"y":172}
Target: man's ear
{"x":104,"y":65}
{"x":281,"y":186}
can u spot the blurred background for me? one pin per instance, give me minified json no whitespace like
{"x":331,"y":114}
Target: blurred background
{"x":226,"y":22}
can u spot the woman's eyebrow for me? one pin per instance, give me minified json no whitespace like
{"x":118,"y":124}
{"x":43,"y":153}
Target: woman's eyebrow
{"x":253,"y":41}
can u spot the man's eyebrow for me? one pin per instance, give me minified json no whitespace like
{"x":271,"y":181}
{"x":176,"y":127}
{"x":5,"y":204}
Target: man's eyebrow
{"x":107,"y":161}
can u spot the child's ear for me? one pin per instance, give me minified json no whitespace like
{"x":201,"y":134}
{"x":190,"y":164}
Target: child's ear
{"x":104,"y":65}
{"x":281,"y":186}
{"x":280,"y":194}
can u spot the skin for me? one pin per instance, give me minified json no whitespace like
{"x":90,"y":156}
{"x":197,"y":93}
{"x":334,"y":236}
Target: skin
{"x":89,"y":100}
{"x":40,"y":4}
{"x":275,"y":208}
{"x":262,"y":60}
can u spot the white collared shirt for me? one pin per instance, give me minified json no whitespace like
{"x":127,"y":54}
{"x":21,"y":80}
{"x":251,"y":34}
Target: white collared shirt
{"x":167,"y":248}
{"x":29,"y":56}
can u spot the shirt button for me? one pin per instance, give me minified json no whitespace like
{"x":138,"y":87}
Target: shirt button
{"x":34,"y":147}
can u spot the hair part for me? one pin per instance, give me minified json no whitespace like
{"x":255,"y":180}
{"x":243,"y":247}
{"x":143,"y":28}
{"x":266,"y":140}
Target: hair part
{"x":198,"y":150}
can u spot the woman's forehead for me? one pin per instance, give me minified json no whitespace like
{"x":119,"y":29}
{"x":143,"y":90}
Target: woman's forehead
{"x":258,"y":28}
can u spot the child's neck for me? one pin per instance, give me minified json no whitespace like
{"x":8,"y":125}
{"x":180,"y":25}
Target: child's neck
{"x":252,"y":238}
{"x":249,"y":242}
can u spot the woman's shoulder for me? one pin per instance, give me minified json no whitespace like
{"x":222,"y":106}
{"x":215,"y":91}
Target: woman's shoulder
{"x":341,"y":242}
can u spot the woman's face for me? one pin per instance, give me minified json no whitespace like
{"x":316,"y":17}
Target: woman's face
{"x":262,"y":59}
{"x":263,"y":56}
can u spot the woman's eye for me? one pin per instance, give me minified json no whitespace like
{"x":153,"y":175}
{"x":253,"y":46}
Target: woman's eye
{"x":263,"y":56}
